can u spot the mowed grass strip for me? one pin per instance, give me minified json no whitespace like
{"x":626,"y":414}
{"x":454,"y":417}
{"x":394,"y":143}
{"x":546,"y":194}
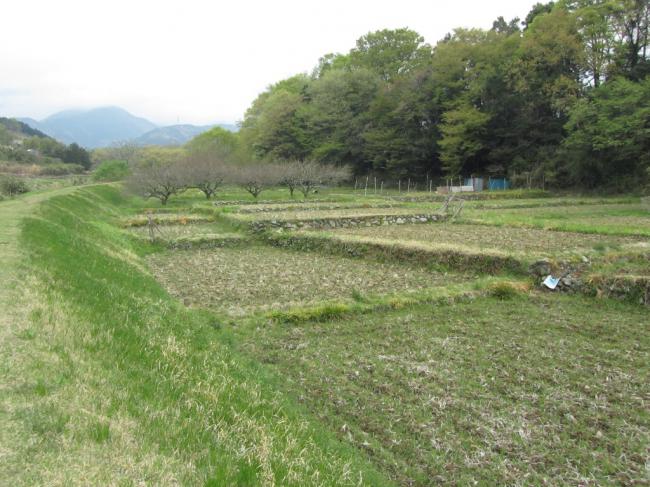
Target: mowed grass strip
{"x":550,"y":389}
{"x":523,"y":241}
{"x":262,"y":278}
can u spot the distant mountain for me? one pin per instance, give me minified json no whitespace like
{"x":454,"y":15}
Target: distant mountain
{"x":177,"y":134}
{"x":103,"y":127}
{"x":172,"y":135}
{"x":99,"y":127}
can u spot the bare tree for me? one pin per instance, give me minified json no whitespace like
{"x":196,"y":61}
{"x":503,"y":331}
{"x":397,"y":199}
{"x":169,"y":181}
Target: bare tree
{"x":205,"y":171}
{"x":290,"y":175}
{"x":255,"y":178}
{"x":307,"y":176}
{"x":156,"y":176}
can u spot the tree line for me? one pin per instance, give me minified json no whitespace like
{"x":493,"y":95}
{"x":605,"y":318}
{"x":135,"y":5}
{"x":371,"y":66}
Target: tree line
{"x":213,"y":160}
{"x":562,"y":96}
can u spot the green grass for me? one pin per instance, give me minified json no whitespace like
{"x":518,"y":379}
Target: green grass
{"x":491,"y":391}
{"x":607,"y":219}
{"x":135,"y":387}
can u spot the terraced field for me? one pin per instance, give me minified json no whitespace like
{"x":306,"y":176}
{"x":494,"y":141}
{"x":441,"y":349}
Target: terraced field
{"x":607,"y":219}
{"x":394,"y":354}
{"x":260,"y":278}
{"x":524,"y":241}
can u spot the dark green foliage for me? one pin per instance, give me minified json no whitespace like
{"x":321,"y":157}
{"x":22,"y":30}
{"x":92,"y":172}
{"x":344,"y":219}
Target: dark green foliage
{"x":489,"y":103}
{"x":609,"y":136}
{"x":74,"y":154}
{"x":538,"y":9}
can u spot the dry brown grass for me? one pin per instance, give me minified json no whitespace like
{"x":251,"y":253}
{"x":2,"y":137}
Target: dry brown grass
{"x":325,"y":214}
{"x":262,"y":278}
{"x":483,"y":237}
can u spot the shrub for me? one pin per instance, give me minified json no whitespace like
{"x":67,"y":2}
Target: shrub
{"x":11,"y":186}
{"x":506,"y":289}
{"x":114,"y":170}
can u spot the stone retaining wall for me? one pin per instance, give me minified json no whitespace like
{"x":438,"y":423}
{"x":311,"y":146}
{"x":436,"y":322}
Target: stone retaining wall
{"x":345,"y":222}
{"x":269,"y":209}
{"x":427,"y":256}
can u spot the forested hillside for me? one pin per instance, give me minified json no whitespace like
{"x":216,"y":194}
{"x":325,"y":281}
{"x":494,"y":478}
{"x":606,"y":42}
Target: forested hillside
{"x":27,"y":151}
{"x":562,"y":97}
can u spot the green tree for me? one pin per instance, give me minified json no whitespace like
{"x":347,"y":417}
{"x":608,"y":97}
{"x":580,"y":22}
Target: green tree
{"x":463,"y":130}
{"x":595,"y":26}
{"x":74,"y":154}
{"x":222,"y":143}
{"x":331,"y":61}
{"x":538,"y":9}
{"x":402,"y":130}
{"x":632,"y":21}
{"x":337,"y":114}
{"x":273,"y":126}
{"x":609,"y":136}
{"x":502,"y":26}
{"x":471,"y":69}
{"x":391,"y":53}
{"x":111,"y":171}
{"x":545,"y":79}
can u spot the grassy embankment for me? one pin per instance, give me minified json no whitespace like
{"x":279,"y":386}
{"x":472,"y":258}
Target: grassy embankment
{"x":107,"y":380}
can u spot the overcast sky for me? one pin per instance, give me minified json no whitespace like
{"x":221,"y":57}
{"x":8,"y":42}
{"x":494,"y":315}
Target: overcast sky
{"x":194,"y":61}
